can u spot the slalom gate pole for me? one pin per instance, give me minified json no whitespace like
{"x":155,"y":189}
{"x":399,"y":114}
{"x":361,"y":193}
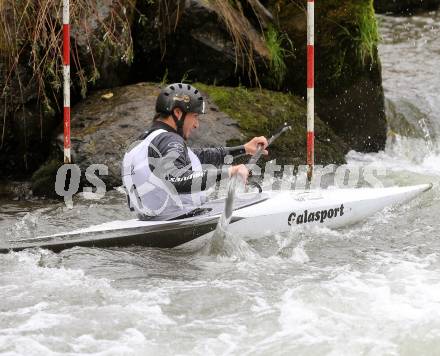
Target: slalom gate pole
{"x":310,"y":88}
{"x":66,"y":80}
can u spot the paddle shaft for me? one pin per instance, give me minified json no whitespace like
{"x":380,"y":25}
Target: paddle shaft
{"x":229,"y":202}
{"x":254,"y":159}
{"x":218,"y":239}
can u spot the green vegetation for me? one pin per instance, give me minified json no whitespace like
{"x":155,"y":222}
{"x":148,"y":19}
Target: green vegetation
{"x":236,"y":23}
{"x":351,"y":37}
{"x":359,"y":31}
{"x":349,"y":93}
{"x":275,"y":43}
{"x":31,"y":32}
{"x":346,"y":35}
{"x":261,"y":112}
{"x":368,"y":36}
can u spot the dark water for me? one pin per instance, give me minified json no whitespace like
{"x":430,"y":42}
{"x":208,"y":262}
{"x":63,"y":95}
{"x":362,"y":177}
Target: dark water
{"x":371,"y":289}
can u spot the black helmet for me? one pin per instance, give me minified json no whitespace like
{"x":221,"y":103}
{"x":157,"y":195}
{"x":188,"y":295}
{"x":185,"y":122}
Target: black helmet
{"x":182,"y":96}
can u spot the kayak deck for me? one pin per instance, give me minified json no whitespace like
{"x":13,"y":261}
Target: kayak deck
{"x":255,"y":214}
{"x":149,"y":233}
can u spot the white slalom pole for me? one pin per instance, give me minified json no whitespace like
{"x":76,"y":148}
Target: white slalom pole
{"x":310,"y":87}
{"x":66,"y":79}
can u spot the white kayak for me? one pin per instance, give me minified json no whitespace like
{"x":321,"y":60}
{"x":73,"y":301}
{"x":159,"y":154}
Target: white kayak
{"x":255,"y":215}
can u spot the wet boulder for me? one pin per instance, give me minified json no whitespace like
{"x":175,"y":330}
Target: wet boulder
{"x":106,"y":123}
{"x":26,"y":125}
{"x":261,"y":112}
{"x":102,"y":44}
{"x":197,"y":40}
{"x":30,"y":71}
{"x":348,"y":84}
{"x":405,"y":7}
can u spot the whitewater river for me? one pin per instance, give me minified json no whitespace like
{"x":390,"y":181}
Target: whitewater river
{"x":370,"y":289}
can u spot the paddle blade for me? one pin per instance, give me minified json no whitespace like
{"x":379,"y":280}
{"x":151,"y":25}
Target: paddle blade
{"x":229,"y":204}
{"x":218,"y":239}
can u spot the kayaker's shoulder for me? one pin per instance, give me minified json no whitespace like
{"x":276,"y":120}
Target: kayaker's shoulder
{"x":168,"y":141}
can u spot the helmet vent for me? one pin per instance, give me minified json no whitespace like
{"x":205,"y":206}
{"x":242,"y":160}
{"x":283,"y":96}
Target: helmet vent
{"x":180,"y":95}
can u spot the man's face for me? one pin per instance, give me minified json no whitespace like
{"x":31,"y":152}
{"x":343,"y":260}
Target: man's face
{"x":191,"y":122}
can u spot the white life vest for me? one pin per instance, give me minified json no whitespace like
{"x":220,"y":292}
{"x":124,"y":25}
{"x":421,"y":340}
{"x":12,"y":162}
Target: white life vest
{"x":150,"y":196}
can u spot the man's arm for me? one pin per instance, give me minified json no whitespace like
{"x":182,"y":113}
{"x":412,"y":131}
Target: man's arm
{"x":170,"y":162}
{"x":216,"y":155}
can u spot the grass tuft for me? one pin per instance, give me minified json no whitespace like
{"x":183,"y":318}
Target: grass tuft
{"x":231,"y":14}
{"x":31,"y":33}
{"x":368,"y":36}
{"x":277,"y":54}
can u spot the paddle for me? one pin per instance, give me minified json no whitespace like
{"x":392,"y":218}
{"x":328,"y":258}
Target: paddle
{"x":229,"y":203}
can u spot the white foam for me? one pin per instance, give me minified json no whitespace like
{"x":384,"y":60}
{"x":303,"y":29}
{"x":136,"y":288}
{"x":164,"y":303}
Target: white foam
{"x":402,"y":154}
{"x":357,"y":312}
{"x":59,"y":310}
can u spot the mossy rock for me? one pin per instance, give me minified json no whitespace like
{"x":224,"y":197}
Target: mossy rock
{"x":346,"y":38}
{"x":104,"y":129}
{"x":261,"y":112}
{"x":348,"y":82}
{"x":196,"y":41}
{"x":43,"y":180}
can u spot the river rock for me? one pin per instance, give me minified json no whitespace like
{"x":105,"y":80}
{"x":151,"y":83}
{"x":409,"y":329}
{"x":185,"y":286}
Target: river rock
{"x":405,"y":7}
{"x":102,"y":39}
{"x":106,"y":123}
{"x":103,"y":129}
{"x":25,"y":127}
{"x":189,"y":42}
{"x":27,"y":120}
{"x":348,"y":83}
{"x":15,"y":190}
{"x":261,"y":112}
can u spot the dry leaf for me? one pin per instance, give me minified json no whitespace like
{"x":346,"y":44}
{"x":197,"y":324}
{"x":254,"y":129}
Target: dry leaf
{"x":107,"y":96}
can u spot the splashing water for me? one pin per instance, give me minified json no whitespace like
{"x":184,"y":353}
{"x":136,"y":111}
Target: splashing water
{"x":368,"y":289}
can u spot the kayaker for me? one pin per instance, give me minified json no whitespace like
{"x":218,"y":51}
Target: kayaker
{"x":161,"y":174}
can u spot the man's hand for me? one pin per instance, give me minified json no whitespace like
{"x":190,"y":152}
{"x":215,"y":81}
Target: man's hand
{"x":241,"y":170}
{"x":252,"y":146}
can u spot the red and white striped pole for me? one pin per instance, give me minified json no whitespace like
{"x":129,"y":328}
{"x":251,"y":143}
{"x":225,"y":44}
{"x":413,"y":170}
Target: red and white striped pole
{"x":310,"y":87}
{"x":66,"y":79}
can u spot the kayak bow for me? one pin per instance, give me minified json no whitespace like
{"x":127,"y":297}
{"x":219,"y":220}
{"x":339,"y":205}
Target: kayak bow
{"x":256,"y":215}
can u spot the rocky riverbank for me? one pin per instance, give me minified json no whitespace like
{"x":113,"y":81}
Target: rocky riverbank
{"x":107,"y":122}
{"x":248,"y":56}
